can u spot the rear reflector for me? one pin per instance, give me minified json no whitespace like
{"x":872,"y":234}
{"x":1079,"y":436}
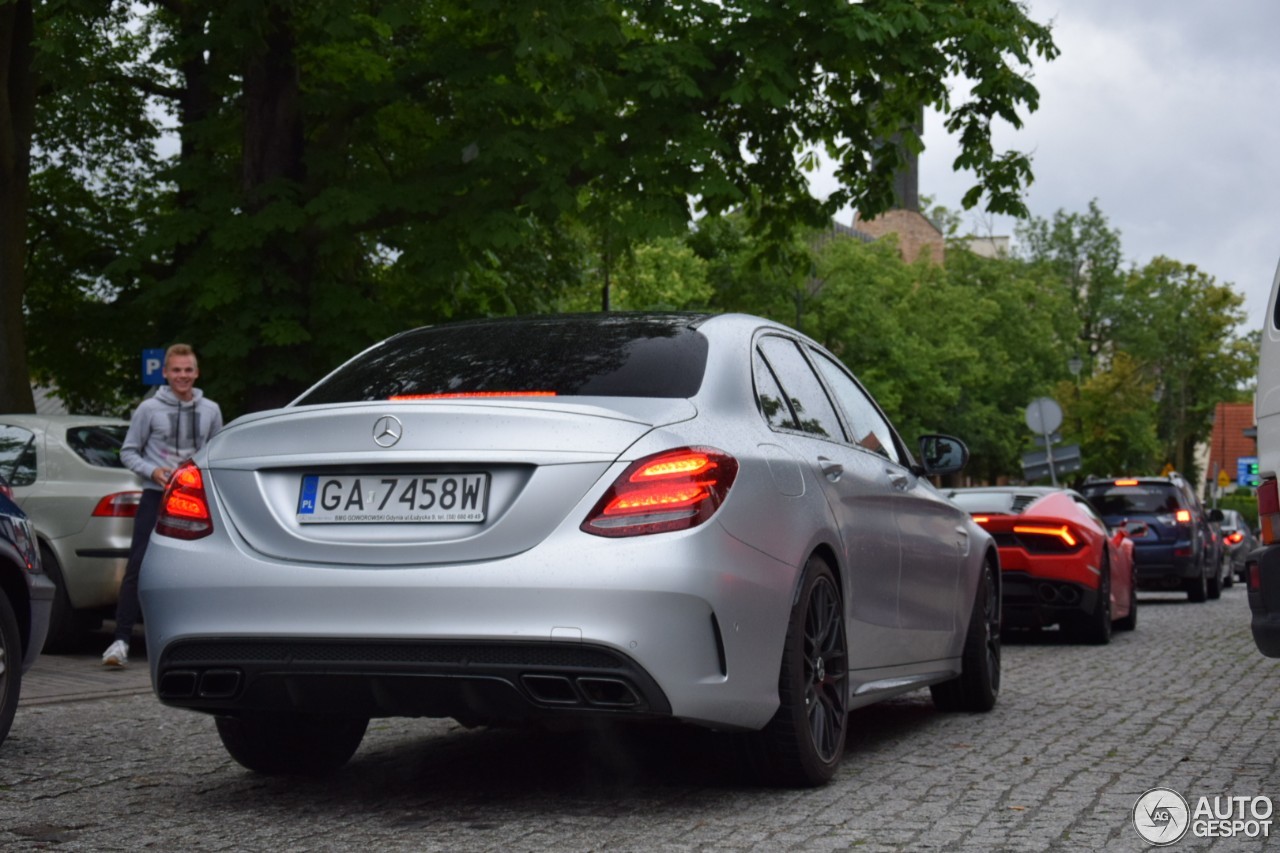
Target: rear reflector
{"x":1269,"y":511}
{"x":119,"y":505}
{"x":674,"y":490}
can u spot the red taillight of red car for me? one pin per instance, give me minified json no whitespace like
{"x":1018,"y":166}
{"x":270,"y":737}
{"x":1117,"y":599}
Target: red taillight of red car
{"x":1235,"y":537}
{"x":668,"y":491}
{"x":184,"y":509}
{"x":1048,"y":538}
{"x":119,"y":505}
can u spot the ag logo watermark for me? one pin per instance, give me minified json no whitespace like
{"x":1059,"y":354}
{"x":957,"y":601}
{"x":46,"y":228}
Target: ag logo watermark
{"x":1163,"y":817}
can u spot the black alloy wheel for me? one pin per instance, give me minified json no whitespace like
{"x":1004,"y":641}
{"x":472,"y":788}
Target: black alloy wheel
{"x":10,"y":665}
{"x":978,"y":685}
{"x":804,"y":742}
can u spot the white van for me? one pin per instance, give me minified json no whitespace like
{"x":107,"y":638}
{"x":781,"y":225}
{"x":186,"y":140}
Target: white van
{"x":1263,"y":565}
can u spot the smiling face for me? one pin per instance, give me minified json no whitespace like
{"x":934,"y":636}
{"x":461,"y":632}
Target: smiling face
{"x":181,"y":373}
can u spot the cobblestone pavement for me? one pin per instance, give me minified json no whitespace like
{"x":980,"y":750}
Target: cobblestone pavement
{"x":1079,"y":734}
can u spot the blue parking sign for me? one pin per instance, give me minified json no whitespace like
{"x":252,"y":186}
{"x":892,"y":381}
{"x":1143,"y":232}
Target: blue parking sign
{"x":153,"y":367}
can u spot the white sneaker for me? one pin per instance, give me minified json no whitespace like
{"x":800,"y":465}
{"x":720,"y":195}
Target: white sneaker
{"x":117,"y":654}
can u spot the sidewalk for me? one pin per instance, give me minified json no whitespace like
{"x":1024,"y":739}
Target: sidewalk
{"x":81,"y":675}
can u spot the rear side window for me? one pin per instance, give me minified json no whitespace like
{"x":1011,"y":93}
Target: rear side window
{"x":590,"y":355}
{"x":800,"y":384}
{"x":1127,"y":500}
{"x":98,"y":445}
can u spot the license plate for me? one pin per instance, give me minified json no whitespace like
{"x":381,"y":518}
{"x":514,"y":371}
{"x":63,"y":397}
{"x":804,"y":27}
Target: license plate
{"x":390,"y":499}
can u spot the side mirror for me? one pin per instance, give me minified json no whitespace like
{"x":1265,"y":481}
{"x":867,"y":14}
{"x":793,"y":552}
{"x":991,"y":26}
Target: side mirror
{"x":1216,"y":515}
{"x":942,"y":454}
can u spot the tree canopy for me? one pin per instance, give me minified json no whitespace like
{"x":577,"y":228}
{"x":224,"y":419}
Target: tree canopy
{"x":343,"y":169}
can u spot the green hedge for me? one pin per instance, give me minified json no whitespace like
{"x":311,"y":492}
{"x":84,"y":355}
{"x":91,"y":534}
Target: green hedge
{"x":1243,"y":501}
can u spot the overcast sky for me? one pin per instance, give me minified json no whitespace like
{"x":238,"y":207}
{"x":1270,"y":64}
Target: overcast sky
{"x":1168,"y":113}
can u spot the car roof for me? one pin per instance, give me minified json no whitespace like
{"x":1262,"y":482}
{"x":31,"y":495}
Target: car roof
{"x":45,"y":422}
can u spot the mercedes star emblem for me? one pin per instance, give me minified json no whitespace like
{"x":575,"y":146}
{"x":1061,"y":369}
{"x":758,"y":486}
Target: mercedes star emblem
{"x":387,"y":431}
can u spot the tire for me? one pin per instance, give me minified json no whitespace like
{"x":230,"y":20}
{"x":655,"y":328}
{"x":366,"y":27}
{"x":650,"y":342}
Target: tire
{"x":1229,"y":576}
{"x":68,"y":628}
{"x":1197,"y":587}
{"x":1095,"y":628}
{"x":291,"y":744}
{"x":1130,"y":622}
{"x":1214,"y":588}
{"x":978,"y":684}
{"x":804,"y":742}
{"x":10,"y":665}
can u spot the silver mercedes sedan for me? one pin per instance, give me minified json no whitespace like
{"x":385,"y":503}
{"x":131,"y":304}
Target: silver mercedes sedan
{"x":557,"y":519}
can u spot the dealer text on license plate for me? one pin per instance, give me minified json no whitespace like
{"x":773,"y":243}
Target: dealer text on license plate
{"x":383,"y":499}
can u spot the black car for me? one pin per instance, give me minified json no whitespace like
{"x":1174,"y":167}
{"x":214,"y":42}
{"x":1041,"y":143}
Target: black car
{"x":1175,"y":546}
{"x":26,"y":597}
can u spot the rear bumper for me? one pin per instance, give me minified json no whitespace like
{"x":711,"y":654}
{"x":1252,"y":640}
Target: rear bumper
{"x":686,"y":625}
{"x":1038,"y":602}
{"x":1158,"y":568}
{"x":1264,"y":599}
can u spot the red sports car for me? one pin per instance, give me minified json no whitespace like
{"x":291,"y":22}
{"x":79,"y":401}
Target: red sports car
{"x":1060,"y":563}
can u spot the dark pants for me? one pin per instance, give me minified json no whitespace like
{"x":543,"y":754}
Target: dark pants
{"x":127,"y":607}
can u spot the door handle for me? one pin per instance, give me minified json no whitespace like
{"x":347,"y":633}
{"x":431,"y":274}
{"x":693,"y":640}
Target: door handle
{"x":830,"y":468}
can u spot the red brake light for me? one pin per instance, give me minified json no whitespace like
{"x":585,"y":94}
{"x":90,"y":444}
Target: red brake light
{"x":1063,"y":533}
{"x":119,"y":505}
{"x":668,"y":491}
{"x":1183,"y":516}
{"x":184,"y":509}
{"x":1234,"y":537}
{"x":462,"y":395}
{"x":981,"y":519}
{"x":1126,"y":482}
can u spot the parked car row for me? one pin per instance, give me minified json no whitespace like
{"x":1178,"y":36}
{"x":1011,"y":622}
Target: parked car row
{"x":66,"y":475}
{"x":662,"y":517}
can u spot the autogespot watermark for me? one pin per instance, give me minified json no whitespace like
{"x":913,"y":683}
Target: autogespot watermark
{"x":1162,"y":817}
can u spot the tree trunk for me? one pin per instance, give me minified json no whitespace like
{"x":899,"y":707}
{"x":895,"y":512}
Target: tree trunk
{"x":273,"y":167}
{"x":17,"y":122}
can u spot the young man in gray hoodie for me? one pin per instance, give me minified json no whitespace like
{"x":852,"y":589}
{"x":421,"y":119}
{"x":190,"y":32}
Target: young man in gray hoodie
{"x":165,"y":431}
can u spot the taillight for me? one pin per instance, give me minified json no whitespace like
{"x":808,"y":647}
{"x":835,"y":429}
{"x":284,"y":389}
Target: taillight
{"x":1126,"y":482}
{"x":1235,"y":537}
{"x":6,"y":490}
{"x":1183,"y":516}
{"x":119,"y":505}
{"x":668,"y":491}
{"x":1045,"y":538}
{"x":184,"y":509}
{"x":1269,"y":511}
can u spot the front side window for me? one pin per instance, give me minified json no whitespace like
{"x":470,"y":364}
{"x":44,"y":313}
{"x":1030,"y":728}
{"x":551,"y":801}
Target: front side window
{"x":870,"y":430}
{"x":17,"y":455}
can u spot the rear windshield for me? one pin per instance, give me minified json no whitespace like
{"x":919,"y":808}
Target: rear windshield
{"x":609,"y":355}
{"x":999,"y":503}
{"x":1127,"y":500}
{"x":98,"y":445}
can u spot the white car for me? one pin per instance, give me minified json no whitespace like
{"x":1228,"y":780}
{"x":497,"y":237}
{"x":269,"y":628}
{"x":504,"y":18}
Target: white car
{"x":66,"y":475}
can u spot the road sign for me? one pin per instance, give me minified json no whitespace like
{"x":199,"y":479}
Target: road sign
{"x":1066,"y":460}
{"x":1247,"y":471}
{"x":1044,"y":415}
{"x":1224,"y":479}
{"x":153,"y":367}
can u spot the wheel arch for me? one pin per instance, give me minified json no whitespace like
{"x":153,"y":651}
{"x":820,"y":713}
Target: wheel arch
{"x":15,"y":589}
